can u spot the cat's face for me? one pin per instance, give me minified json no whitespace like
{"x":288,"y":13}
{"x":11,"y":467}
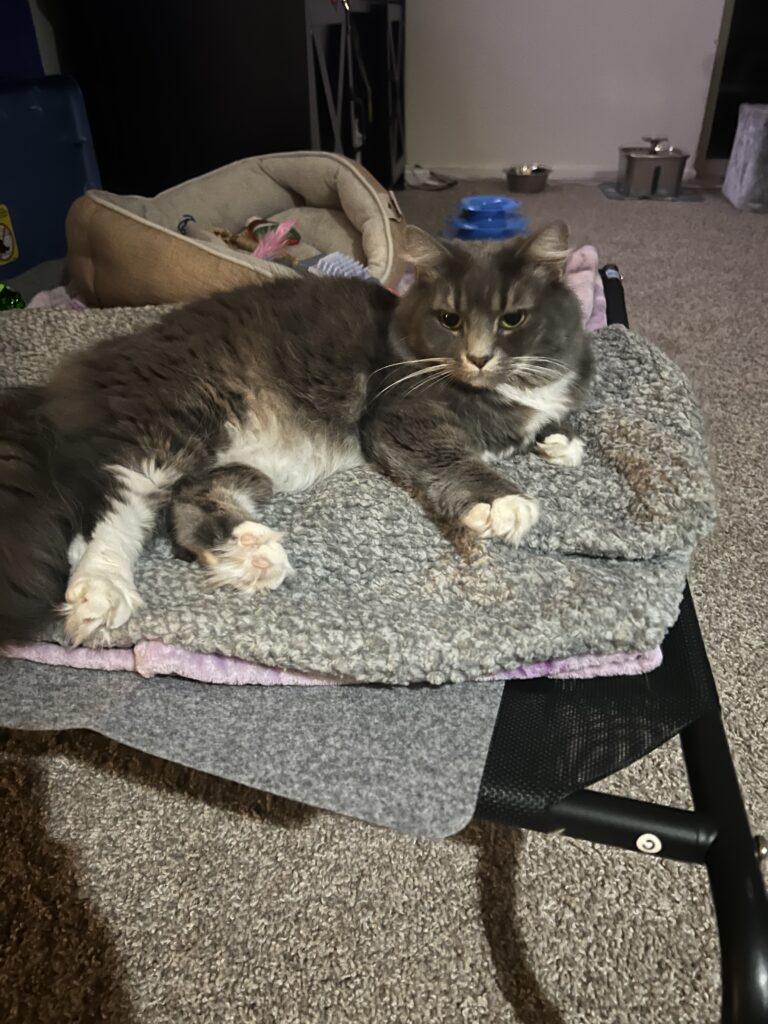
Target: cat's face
{"x":488,"y":315}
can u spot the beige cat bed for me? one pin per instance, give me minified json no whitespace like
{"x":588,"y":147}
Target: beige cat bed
{"x":127,"y":250}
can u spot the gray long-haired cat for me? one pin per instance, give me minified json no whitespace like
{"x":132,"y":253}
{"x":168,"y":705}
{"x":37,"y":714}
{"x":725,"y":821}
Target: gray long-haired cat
{"x":199,"y":418}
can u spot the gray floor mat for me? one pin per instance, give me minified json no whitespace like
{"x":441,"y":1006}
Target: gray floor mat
{"x":410,"y":758}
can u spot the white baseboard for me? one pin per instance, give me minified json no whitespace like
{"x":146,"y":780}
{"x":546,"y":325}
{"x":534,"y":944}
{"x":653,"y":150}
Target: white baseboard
{"x":576,"y":173}
{"x":573,"y":173}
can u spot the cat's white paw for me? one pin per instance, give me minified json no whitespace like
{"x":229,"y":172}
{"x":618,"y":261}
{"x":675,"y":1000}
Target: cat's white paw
{"x":561,"y":450}
{"x":95,"y":601}
{"x":508,"y":518}
{"x":254,"y":559}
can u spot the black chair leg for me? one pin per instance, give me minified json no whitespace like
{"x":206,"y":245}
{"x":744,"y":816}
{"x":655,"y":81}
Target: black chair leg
{"x":735,"y":877}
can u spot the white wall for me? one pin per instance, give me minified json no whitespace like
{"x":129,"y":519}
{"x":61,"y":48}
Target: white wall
{"x":491,"y":83}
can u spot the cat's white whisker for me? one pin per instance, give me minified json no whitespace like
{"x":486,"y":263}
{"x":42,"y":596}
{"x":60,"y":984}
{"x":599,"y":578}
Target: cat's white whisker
{"x":410,"y":376}
{"x":541,"y":362}
{"x":538,"y":372}
{"x":429,"y":382}
{"x":524,"y":368}
{"x":408,"y":362}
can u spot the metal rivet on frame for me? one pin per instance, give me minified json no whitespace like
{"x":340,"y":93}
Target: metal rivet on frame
{"x":648,"y":843}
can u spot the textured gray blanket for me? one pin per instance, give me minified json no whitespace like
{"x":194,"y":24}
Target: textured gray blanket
{"x":380,"y":595}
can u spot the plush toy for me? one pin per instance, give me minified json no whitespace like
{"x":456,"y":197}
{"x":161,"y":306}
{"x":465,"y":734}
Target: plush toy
{"x":265,"y":239}
{"x":270,"y":237}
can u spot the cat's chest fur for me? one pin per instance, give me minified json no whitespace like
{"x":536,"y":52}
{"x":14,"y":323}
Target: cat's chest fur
{"x":500,"y":428}
{"x":291,"y":450}
{"x":539,"y":407}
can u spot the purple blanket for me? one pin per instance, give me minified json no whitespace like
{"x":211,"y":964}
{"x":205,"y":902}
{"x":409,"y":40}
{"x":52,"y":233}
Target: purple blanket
{"x":153,"y":658}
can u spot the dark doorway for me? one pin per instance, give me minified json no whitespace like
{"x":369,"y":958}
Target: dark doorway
{"x":745,"y":73}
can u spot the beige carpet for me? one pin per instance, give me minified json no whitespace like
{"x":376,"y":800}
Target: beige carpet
{"x":133,"y":891}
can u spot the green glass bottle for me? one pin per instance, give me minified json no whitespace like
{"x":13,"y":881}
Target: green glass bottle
{"x":9,"y":299}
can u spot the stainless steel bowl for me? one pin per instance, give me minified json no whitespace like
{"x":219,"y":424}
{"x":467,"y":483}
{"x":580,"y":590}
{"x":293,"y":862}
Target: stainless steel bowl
{"x":527,"y":178}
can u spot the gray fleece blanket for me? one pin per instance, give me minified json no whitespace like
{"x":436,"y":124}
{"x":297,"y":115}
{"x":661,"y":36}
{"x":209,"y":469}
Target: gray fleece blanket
{"x":380,"y":595}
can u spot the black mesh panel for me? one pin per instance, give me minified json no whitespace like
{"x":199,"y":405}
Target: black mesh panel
{"x":552,"y":737}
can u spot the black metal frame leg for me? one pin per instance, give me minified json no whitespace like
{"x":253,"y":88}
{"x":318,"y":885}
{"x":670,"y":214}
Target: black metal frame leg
{"x":734,"y":871}
{"x":716,"y":833}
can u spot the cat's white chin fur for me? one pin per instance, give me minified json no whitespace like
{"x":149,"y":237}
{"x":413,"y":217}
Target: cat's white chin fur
{"x":253,"y":559}
{"x":561,"y":450}
{"x":508,"y":518}
{"x":93,"y":602}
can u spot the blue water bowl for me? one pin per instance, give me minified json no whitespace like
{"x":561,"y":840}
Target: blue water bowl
{"x":486,"y":217}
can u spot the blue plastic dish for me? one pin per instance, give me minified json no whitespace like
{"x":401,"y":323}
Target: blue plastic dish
{"x":487,"y":217}
{"x":489,"y":207}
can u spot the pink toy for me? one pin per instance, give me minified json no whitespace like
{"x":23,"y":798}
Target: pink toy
{"x":273,"y":242}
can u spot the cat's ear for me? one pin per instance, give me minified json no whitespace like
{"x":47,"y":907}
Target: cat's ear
{"x":426,"y":253}
{"x":549,"y":250}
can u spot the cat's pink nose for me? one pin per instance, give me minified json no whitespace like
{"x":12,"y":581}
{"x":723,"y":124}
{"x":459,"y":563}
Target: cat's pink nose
{"x":479,"y":361}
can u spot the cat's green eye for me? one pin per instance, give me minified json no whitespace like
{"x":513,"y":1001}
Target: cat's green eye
{"x":512,"y":319}
{"x":448,"y":319}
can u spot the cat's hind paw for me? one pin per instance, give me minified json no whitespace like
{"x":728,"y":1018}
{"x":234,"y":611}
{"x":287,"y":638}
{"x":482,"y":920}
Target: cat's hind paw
{"x":252,"y":559}
{"x":508,"y":518}
{"x":560,"y":450}
{"x":95,"y":601}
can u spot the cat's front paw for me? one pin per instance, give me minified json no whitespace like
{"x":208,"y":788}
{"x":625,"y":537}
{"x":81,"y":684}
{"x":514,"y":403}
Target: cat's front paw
{"x":252,"y":559}
{"x":561,"y":450}
{"x":95,"y":601}
{"x":508,"y":518}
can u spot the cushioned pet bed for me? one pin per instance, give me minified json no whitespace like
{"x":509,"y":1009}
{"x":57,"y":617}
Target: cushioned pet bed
{"x":127,"y":250}
{"x":381,"y":596}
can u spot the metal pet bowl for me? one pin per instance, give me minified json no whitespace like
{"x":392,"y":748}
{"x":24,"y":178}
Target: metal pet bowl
{"x":527,"y":178}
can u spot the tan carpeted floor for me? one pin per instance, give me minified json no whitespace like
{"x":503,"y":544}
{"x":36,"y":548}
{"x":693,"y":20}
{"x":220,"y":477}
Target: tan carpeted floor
{"x":134,"y":891}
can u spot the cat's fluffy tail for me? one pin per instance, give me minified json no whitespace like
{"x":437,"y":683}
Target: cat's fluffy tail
{"x":37,"y":519}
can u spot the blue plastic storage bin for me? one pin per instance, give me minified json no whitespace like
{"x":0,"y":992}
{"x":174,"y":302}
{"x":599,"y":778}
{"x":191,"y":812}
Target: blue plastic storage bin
{"x":47,"y":162}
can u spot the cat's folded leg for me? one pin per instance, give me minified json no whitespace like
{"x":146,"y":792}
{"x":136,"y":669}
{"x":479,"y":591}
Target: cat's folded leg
{"x":211,"y":519}
{"x":432,"y":459}
{"x":101,"y":591}
{"x":558,"y":445}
